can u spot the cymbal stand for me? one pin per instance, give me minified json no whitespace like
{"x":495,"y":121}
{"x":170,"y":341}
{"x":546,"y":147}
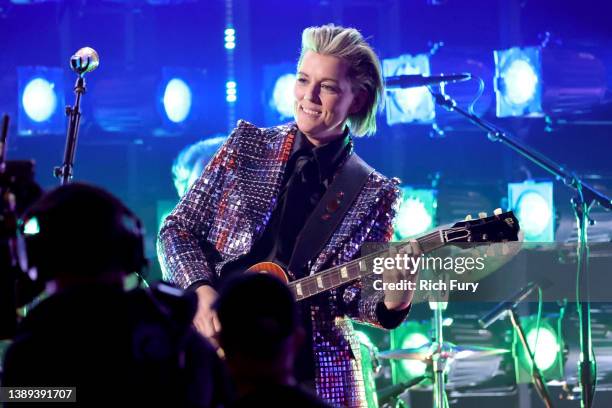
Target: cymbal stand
{"x":438,"y":355}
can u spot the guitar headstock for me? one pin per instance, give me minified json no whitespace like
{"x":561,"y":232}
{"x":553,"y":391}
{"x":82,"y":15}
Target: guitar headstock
{"x":501,"y":226}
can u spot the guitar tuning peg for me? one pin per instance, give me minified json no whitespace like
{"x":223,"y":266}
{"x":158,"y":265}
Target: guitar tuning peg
{"x":468,"y":217}
{"x":482,"y":214}
{"x":498,"y":211}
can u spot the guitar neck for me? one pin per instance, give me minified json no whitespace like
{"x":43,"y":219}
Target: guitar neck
{"x":351,"y":271}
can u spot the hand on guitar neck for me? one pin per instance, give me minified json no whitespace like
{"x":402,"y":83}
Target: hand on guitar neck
{"x":205,"y":320}
{"x":401,"y":299}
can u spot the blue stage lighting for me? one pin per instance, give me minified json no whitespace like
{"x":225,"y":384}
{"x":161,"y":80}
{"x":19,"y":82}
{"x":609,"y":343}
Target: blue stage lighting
{"x":416,"y":214}
{"x":533,"y":204}
{"x":230,"y":38}
{"x":177,"y":100}
{"x":41,"y":100}
{"x":282,"y":95}
{"x":518,"y":83}
{"x":412,"y":104}
{"x":178,"y":93}
{"x":278,"y":85}
{"x":231,"y":94}
{"x":521,"y":82}
{"x":181,"y":103}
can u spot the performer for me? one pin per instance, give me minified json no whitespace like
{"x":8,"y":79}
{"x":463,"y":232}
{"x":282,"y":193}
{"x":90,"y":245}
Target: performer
{"x":255,"y":197}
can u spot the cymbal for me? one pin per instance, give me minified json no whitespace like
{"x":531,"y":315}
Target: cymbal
{"x":448,"y":350}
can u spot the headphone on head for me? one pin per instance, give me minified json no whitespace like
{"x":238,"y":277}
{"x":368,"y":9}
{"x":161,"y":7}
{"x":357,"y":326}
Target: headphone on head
{"x":80,"y":229}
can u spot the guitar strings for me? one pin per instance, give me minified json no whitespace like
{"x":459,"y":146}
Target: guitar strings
{"x":327,"y":277}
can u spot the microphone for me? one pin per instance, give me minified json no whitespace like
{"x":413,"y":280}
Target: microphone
{"x":414,"y":81}
{"x":499,"y":310}
{"x":84,"y":60}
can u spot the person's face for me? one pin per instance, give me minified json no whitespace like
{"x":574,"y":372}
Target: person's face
{"x":323,"y":97}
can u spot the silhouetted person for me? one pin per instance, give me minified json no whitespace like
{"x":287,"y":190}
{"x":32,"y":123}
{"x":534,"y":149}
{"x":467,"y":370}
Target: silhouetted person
{"x":114,"y":346}
{"x":260,"y":336}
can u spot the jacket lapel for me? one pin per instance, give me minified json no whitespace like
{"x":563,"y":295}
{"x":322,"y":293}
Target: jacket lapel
{"x":360,"y":215}
{"x":262,"y":169}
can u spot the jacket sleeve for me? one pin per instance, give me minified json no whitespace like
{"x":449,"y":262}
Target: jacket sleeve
{"x":185,"y":256}
{"x":362,"y":302}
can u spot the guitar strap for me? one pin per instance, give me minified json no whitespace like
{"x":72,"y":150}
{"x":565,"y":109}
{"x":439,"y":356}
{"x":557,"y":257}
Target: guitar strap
{"x":330,"y":210}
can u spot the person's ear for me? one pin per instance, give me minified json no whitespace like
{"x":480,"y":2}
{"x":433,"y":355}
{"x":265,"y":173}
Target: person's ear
{"x":359,"y":101}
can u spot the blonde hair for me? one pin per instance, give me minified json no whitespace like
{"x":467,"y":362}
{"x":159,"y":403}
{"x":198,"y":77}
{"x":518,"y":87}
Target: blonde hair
{"x":364,"y":69}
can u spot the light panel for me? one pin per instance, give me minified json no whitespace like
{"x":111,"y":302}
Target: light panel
{"x":177,"y":100}
{"x":532,"y":202}
{"x":41,"y":100}
{"x":412,"y":104}
{"x":518,"y":82}
{"x":416,"y":214}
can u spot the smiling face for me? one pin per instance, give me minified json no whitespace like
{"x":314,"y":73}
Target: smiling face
{"x":323,"y":97}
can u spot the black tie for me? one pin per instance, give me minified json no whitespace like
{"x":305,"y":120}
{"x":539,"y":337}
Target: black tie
{"x":302,"y":195}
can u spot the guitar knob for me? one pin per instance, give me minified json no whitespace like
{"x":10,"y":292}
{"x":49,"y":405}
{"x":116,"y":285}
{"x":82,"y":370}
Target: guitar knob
{"x":468,"y":217}
{"x":482,"y":215}
{"x":497,"y":211}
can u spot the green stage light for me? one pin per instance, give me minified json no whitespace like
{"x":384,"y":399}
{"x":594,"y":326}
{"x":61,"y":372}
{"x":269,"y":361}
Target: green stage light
{"x":546,"y":349}
{"x":31,"y":226}
{"x":548,"y":352}
{"x":414,"y":368}
{"x":407,"y":336}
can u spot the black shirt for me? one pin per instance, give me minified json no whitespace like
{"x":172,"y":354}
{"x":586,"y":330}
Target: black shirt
{"x":308,"y":173}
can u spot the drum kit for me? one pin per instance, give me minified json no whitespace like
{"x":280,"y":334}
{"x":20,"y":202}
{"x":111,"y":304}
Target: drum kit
{"x":446,"y":365}
{"x":436,"y":356}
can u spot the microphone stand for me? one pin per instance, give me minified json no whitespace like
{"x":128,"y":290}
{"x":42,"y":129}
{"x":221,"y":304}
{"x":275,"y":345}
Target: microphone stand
{"x":65,"y":171}
{"x":585,"y":197}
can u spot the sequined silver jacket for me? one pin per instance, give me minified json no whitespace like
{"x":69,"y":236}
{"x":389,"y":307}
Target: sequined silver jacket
{"x":226,"y":211}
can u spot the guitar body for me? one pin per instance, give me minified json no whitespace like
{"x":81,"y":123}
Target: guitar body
{"x":271,"y":269}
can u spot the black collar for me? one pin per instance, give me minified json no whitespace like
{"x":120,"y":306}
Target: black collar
{"x":328,"y":157}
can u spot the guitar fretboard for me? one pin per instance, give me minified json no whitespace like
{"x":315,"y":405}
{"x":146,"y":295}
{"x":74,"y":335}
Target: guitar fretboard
{"x":351,"y":271}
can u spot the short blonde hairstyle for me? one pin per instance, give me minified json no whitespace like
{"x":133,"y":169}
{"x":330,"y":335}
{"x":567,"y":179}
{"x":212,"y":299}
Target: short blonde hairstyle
{"x":364,"y":69}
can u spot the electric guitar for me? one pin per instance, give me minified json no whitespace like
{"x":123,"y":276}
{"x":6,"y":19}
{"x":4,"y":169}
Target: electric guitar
{"x":499,"y":227}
